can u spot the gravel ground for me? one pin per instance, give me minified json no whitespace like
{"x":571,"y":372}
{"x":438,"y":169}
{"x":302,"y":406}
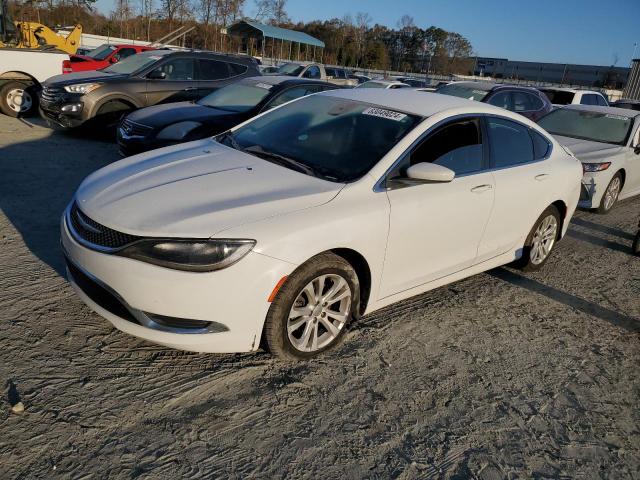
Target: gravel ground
{"x":501,"y":375}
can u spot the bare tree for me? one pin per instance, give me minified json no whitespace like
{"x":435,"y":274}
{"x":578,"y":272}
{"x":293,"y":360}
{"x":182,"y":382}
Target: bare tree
{"x":363,"y":21}
{"x":272,"y":11}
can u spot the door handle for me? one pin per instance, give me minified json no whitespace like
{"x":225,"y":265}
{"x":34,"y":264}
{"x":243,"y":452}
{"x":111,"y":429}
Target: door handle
{"x":189,"y":89}
{"x":542,"y":176}
{"x":481,"y":188}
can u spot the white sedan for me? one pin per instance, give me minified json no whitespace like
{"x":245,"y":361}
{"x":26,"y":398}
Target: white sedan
{"x":282,"y":230}
{"x":607,"y":141}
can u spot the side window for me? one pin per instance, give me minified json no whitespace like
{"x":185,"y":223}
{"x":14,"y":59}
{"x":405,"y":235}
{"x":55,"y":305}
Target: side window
{"x":125,"y":52}
{"x":237,"y":69}
{"x":502,"y":100}
{"x":457,"y":145}
{"x":331,"y":72}
{"x":510,"y":143}
{"x":589,"y":99}
{"x":541,"y":145}
{"x":213,"y":70}
{"x":601,"y":101}
{"x":288,"y":95}
{"x":313,"y":72}
{"x":525,"y":102}
{"x":178,"y":69}
{"x":314,"y":89}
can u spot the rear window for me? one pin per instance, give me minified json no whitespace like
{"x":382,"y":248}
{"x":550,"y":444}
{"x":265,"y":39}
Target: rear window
{"x":559,"y":97}
{"x":463,"y":91}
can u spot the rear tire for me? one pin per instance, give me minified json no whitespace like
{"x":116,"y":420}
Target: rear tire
{"x":18,"y":99}
{"x":540,"y":241}
{"x":611,"y":194}
{"x":312,"y":309}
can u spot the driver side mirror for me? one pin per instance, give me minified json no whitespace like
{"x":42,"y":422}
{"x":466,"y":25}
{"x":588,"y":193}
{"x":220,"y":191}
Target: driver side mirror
{"x":636,"y":149}
{"x":113,"y":59}
{"x":430,"y":172}
{"x":157,"y":75}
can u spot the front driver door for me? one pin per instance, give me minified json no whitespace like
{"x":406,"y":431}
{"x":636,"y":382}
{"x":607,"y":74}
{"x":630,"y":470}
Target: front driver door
{"x":179,"y":83}
{"x":435,"y":228}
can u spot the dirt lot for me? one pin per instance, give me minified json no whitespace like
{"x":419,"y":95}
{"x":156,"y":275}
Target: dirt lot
{"x":502,"y":375}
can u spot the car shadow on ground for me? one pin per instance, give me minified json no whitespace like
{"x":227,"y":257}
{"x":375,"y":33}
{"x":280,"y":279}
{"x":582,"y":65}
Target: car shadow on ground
{"x":615,"y":318}
{"x":38,"y":177}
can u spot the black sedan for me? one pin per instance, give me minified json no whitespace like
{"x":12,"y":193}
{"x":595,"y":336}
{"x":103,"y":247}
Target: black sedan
{"x":171,"y":123}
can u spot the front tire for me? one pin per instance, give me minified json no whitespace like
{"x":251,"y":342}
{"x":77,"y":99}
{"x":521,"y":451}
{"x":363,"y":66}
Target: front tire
{"x":18,"y":100}
{"x":611,"y":194}
{"x":312,"y":308}
{"x":540,"y":241}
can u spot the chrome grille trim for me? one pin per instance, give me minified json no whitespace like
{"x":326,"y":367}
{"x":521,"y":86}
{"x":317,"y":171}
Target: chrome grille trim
{"x":93,"y":235}
{"x":135,"y":129}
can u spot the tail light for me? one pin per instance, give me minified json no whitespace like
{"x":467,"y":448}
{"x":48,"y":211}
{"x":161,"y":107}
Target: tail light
{"x":66,"y":66}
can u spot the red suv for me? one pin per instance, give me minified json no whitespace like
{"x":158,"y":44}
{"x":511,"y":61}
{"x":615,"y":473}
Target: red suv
{"x":101,"y":57}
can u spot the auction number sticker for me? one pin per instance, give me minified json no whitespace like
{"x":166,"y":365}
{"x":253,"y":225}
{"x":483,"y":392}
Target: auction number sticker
{"x":266,"y":86}
{"x":382,"y":113}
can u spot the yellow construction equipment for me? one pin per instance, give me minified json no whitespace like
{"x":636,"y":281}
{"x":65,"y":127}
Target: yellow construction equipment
{"x":35,"y":35}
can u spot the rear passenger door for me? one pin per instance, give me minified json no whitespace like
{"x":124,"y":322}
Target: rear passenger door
{"x":522,"y":172}
{"x":179,"y":82}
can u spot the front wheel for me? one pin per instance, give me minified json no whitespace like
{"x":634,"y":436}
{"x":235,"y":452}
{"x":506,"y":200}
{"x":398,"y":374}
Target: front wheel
{"x":611,"y":194}
{"x":18,"y":100}
{"x":540,"y":241}
{"x":312,"y":308}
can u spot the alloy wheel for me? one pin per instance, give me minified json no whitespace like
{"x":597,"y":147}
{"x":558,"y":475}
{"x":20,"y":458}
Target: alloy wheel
{"x":543,"y":239}
{"x":612,"y":192}
{"x":319,"y":313}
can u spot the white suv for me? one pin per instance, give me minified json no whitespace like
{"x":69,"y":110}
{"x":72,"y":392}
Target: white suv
{"x":572,"y":96}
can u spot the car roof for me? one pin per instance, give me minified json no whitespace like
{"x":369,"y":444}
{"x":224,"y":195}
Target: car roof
{"x":413,"y":101}
{"x":620,"y":112}
{"x":569,"y":90}
{"x":486,"y":86}
{"x":284,"y":79}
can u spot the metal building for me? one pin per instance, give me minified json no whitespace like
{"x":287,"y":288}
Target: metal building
{"x":262,"y":40}
{"x":632,"y":90}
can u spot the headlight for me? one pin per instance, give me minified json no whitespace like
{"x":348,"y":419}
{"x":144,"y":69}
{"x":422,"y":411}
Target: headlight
{"x":191,"y":255}
{"x":178,"y":131}
{"x":82,"y":88}
{"x":595,"y":167}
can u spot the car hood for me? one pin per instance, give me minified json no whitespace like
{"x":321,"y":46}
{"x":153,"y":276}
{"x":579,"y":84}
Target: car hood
{"x":159,"y":116}
{"x":196,"y":190}
{"x":83,"y":77}
{"x":589,"y":151}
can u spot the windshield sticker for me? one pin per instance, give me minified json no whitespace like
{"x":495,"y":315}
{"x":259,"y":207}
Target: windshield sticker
{"x":615,"y":117}
{"x":382,"y":113}
{"x":155,"y":57}
{"x":266,"y":86}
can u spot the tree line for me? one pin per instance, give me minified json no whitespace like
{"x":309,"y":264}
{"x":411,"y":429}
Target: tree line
{"x":353,"y":40}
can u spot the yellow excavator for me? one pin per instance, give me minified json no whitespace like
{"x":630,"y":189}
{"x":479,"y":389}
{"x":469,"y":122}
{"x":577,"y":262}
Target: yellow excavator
{"x":34,"y":35}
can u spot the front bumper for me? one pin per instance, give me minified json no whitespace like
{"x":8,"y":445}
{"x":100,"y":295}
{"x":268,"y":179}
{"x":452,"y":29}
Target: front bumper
{"x":591,"y":191}
{"x":128,"y":293}
{"x":52,"y":109}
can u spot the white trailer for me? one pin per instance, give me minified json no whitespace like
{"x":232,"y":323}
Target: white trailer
{"x":22,"y":71}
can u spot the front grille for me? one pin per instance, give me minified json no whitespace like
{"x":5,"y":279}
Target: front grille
{"x":90,"y":231}
{"x":52,"y":94}
{"x":133,"y":128}
{"x":100,"y":295}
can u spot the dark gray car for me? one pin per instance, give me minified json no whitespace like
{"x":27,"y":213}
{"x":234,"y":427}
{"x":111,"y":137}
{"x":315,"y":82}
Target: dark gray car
{"x":149,"y":78}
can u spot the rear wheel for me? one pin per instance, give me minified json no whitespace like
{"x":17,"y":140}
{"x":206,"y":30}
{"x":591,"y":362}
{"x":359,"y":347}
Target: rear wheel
{"x":611,"y":194}
{"x":312,"y":308}
{"x":540,"y":240}
{"x":18,"y":99}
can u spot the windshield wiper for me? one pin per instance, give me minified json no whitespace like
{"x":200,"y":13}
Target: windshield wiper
{"x":280,"y":159}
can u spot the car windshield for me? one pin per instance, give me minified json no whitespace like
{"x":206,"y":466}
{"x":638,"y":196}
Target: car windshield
{"x":463,"y":91}
{"x":132,"y":64}
{"x":332,"y":138}
{"x":291,"y":69}
{"x":237,"y":97}
{"x":372,"y":85}
{"x":558,"y":97}
{"x":101,"y":52}
{"x":585,"y":125}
